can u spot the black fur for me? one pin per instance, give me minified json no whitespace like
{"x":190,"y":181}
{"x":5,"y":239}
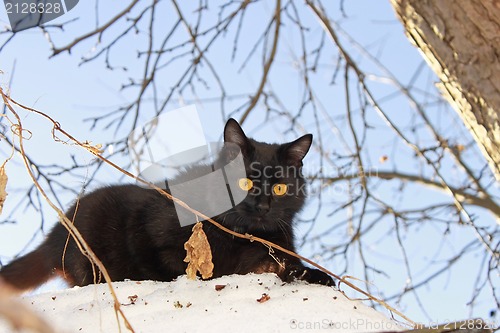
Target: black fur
{"x":135,"y":232}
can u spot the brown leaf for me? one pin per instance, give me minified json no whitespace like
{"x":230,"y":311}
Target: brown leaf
{"x":3,"y":185}
{"x":264,"y":298}
{"x":133,"y":299}
{"x":198,"y":254}
{"x":219,"y":287}
{"x":95,"y":149}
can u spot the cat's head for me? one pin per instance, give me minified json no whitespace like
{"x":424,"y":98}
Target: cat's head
{"x":274,"y":184}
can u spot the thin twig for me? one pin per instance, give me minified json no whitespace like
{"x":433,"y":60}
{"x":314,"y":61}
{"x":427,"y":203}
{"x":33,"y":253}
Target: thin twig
{"x":267,"y":65}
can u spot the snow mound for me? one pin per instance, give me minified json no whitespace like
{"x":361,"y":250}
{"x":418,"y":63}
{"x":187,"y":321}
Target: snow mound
{"x":235,"y":303}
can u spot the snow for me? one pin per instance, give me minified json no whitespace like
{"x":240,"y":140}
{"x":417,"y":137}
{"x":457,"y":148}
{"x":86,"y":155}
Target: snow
{"x":196,"y":306}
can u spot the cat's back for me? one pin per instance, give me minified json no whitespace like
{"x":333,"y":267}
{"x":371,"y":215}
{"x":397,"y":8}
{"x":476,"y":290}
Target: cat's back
{"x":126,"y":195}
{"x":115,"y":205}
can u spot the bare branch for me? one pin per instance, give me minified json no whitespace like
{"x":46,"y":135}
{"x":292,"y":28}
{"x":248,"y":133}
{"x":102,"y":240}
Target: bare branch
{"x":97,"y":31}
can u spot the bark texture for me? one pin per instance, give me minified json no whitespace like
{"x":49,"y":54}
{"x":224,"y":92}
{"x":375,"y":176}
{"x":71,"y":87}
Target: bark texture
{"x":460,"y":40}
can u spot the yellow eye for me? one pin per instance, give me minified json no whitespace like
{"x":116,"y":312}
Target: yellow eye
{"x":280,"y":189}
{"x":245,"y":184}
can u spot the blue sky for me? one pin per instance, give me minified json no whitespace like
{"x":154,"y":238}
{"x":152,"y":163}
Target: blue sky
{"x":70,"y":92}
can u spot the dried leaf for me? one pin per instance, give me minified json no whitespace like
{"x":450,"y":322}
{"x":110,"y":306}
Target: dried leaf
{"x":219,"y":287}
{"x":95,"y":149}
{"x":198,"y":254}
{"x":133,"y":299}
{"x":264,"y":298}
{"x":3,"y":185}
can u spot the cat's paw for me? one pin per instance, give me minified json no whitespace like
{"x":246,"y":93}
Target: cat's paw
{"x":310,"y":275}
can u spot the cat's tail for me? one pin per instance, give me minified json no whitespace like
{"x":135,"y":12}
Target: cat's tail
{"x":30,"y":270}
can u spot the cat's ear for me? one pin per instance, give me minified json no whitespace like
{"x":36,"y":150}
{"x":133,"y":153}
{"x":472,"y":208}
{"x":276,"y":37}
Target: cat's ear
{"x":234,"y":134}
{"x":296,"y":151}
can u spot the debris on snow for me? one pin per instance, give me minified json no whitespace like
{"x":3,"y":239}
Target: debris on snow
{"x":216,"y":305}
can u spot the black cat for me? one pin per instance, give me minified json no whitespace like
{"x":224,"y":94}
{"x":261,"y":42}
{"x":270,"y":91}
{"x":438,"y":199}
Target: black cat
{"x":135,"y":231}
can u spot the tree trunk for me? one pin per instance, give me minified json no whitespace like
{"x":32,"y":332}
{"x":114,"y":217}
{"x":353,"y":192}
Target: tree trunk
{"x":460,"y":40}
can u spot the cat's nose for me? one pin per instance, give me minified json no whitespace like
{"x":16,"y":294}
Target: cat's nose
{"x":262,"y":207}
